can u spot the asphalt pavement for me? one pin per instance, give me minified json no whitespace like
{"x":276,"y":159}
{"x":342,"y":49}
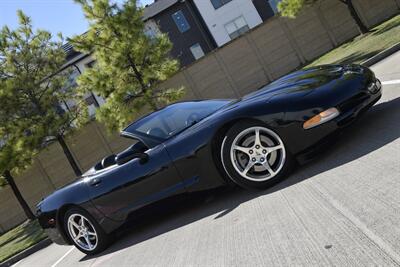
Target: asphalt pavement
{"x":341,"y":209}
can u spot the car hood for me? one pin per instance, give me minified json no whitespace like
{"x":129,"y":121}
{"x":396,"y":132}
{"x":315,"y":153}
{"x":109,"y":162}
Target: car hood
{"x":301,"y":82}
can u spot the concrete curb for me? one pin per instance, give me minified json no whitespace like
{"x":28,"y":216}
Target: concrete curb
{"x":382,"y":55}
{"x":25,"y":253}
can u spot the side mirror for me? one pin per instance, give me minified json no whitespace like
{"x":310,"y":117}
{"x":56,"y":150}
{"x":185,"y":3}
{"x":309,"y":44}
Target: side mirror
{"x":131,"y":154}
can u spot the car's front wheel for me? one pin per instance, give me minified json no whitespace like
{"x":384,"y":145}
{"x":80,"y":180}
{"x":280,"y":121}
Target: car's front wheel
{"x":85,"y":233}
{"x":254,"y":156}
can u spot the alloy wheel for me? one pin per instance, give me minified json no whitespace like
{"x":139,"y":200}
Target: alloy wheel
{"x":82,"y":232}
{"x":257,"y":154}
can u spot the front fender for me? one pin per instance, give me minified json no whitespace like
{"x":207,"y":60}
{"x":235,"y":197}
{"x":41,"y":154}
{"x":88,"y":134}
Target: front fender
{"x":50,"y":211}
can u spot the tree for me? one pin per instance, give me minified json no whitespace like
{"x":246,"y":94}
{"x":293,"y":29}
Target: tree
{"x":129,"y":63}
{"x":290,"y":8}
{"x":36,"y":95}
{"x":14,"y":156}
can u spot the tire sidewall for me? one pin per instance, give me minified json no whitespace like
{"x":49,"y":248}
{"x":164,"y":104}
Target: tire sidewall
{"x":230,"y":169}
{"x":102,"y":237}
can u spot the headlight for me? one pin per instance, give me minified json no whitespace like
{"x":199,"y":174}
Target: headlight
{"x":374,"y":87}
{"x":321,"y":118}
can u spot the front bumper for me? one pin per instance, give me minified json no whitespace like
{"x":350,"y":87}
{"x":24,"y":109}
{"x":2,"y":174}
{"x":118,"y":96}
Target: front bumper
{"x":328,"y":133}
{"x":358,"y":105}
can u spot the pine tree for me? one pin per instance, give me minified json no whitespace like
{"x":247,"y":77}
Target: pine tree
{"x":15,"y":155}
{"x":129,"y":64}
{"x":35,"y":95}
{"x":290,"y":8}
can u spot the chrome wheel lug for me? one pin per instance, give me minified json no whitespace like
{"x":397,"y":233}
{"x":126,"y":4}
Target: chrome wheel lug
{"x":253,"y":159}
{"x":264,"y":151}
{"x":250,"y":152}
{"x":262,"y":159}
{"x":257,"y":146}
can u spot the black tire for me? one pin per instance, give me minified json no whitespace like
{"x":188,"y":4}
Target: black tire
{"x":233,"y":173}
{"x":103,"y":239}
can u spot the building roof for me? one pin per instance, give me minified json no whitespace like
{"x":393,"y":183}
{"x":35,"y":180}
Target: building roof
{"x":157,"y":7}
{"x":69,"y":51}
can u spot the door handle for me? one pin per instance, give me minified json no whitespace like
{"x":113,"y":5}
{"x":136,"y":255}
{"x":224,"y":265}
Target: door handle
{"x":95,"y":182}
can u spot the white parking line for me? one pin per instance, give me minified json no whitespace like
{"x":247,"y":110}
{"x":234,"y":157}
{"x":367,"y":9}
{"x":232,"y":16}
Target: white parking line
{"x":60,"y":259}
{"x":391,"y":82}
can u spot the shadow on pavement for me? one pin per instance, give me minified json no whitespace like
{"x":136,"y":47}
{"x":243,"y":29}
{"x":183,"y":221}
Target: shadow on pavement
{"x":379,"y":127}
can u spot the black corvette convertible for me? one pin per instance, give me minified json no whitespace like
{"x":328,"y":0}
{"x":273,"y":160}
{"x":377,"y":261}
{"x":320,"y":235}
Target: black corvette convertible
{"x":198,"y":145}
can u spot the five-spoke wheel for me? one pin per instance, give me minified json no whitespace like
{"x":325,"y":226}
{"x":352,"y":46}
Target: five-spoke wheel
{"x":254,"y":155}
{"x":84,"y":232}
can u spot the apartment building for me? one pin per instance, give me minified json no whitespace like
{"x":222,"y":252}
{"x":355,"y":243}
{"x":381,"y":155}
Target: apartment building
{"x":185,"y":27}
{"x":228,"y":19}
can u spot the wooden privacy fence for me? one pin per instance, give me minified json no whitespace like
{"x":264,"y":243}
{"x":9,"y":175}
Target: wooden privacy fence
{"x":267,"y":52}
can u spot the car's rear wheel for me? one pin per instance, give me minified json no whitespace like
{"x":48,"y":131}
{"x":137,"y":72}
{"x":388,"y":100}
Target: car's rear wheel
{"x":255,"y":156}
{"x":85,"y":233}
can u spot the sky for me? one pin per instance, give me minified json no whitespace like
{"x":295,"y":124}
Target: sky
{"x":53,"y":15}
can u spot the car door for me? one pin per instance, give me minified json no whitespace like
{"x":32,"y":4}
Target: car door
{"x":121,"y":189}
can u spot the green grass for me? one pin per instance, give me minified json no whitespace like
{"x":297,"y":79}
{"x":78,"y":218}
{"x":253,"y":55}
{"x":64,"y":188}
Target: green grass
{"x":20,"y":238}
{"x":363,"y":47}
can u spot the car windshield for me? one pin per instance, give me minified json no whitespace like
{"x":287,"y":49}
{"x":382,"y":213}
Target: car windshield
{"x":173,"y":119}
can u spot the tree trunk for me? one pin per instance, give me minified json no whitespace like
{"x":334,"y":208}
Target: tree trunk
{"x":17,"y":193}
{"x":69,"y":156}
{"x":353,"y":12}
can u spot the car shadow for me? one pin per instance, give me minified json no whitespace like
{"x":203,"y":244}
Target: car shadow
{"x":377,"y":128}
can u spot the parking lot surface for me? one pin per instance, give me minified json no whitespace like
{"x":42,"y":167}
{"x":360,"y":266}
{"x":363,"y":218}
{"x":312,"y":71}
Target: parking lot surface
{"x":341,"y":209}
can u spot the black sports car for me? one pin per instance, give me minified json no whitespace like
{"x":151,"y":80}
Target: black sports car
{"x":197,"y":145}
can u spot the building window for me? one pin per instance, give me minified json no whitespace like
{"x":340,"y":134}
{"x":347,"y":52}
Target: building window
{"x":197,"y":51}
{"x":274,"y":5}
{"x":236,"y":27}
{"x":219,"y":3}
{"x":180,"y":21}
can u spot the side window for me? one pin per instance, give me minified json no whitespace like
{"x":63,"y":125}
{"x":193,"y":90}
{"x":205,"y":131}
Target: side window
{"x":180,"y":21}
{"x":197,"y":51}
{"x":219,"y":3}
{"x":236,"y":27}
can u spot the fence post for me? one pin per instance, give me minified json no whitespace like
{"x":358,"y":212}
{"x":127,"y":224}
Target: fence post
{"x":43,"y":171}
{"x":191,"y":83}
{"x":69,"y":141}
{"x":225,"y":70}
{"x":260,"y":59}
{"x":292,"y":41}
{"x":325,"y":25}
{"x":360,"y":11}
{"x":103,"y":139}
{"x":397,"y":3}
